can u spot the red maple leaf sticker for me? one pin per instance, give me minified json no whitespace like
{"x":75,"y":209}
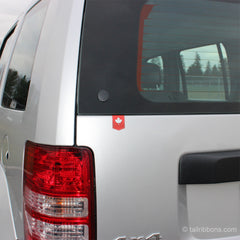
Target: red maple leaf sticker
{"x":118,"y":122}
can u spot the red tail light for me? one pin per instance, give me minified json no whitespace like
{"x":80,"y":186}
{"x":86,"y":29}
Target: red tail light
{"x":59,"y":193}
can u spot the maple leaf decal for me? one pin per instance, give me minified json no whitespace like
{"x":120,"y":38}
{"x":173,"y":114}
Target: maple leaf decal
{"x":118,"y":120}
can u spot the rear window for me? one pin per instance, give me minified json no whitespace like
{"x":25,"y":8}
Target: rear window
{"x":160,"y":57}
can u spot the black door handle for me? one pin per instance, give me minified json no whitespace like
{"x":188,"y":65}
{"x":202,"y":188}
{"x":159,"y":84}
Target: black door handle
{"x":208,"y":168}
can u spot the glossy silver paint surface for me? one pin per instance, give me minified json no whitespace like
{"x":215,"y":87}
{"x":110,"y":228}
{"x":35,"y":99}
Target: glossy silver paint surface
{"x":6,"y":222}
{"x":137,"y":176}
{"x":136,"y":168}
{"x":50,"y":113}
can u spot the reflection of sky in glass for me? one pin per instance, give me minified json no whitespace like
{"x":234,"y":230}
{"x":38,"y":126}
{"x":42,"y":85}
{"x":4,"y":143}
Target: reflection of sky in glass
{"x":5,"y":55}
{"x":26,"y":46}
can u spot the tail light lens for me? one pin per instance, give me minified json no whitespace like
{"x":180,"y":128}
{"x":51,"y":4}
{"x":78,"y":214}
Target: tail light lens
{"x":59,"y":193}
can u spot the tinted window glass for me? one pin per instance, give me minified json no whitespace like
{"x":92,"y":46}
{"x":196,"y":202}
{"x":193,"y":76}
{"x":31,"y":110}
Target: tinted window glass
{"x":204,"y":72}
{"x":5,"y":52}
{"x":19,"y":74}
{"x":160,"y":57}
{"x":152,"y":78}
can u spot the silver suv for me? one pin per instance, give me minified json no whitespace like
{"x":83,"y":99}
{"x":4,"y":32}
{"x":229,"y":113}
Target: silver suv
{"x":119,"y":120}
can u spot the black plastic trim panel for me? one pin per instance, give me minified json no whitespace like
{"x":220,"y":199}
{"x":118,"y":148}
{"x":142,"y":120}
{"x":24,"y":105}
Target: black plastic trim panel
{"x":211,"y":167}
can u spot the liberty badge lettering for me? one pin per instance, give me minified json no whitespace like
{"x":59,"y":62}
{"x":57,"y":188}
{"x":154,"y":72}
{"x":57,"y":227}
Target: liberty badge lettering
{"x":118,"y":122}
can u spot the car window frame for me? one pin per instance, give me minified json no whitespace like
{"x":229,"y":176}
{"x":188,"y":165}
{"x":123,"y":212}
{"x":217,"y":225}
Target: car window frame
{"x":21,"y":21}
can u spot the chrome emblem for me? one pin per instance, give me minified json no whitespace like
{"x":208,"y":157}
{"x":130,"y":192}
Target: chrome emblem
{"x":154,"y":236}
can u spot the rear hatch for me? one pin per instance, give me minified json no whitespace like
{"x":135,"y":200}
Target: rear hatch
{"x":158,"y":104}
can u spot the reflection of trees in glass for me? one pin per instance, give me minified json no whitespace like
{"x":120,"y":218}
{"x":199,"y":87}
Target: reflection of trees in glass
{"x":22,"y":91}
{"x":208,"y":70}
{"x":12,"y":79}
{"x":215,"y":71}
{"x":196,"y":68}
{"x":16,"y":89}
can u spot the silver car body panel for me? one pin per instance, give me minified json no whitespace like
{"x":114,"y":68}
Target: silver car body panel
{"x":137,"y":176}
{"x":6,"y":221}
{"x":54,"y":77}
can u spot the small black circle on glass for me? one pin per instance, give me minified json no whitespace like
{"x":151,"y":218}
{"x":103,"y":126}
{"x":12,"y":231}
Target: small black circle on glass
{"x":103,"y":95}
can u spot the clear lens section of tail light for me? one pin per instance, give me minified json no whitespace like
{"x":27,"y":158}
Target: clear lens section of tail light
{"x":56,"y":206}
{"x":48,"y":231}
